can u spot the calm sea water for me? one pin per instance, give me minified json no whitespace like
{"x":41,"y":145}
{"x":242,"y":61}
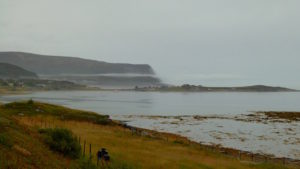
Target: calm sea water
{"x":158,"y":103}
{"x":139,"y":108}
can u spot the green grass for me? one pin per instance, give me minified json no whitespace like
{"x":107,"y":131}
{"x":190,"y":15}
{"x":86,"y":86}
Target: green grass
{"x":35,"y":108}
{"x":5,"y":140}
{"x":203,"y":166}
{"x":22,"y":147}
{"x":62,"y":141}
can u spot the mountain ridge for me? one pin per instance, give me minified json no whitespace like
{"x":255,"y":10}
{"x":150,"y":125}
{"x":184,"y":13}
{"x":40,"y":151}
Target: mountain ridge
{"x":50,"y":64}
{"x":11,"y":71}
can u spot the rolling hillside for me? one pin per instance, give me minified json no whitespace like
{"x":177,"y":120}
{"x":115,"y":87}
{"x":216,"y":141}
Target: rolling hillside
{"x":83,"y":71}
{"x":54,"y":65}
{"x":9,"y":71}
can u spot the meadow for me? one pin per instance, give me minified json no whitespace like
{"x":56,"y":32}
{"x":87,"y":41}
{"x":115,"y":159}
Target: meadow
{"x":22,"y":145}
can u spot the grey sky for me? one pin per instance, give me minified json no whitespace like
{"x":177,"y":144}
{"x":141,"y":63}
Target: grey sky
{"x":212,"y":42}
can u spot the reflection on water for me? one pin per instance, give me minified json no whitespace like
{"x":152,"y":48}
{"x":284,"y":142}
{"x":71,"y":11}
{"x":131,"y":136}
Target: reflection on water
{"x":280,"y":139}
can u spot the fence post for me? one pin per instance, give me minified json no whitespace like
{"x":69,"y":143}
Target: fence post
{"x":84,"y":148}
{"x":90,"y":151}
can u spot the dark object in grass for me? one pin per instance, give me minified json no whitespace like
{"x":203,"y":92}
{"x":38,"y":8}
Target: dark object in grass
{"x":62,"y":141}
{"x":102,"y":155}
{"x":106,"y":157}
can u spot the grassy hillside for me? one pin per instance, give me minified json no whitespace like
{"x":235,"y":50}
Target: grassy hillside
{"x":53,"y":65}
{"x":23,"y":146}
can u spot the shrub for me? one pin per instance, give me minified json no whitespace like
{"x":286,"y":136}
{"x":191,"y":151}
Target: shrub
{"x":62,"y":141}
{"x":30,"y":102}
{"x":4,"y":140}
{"x":178,"y":142}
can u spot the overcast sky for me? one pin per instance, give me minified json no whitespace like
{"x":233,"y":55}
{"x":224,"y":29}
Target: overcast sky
{"x":212,"y":42}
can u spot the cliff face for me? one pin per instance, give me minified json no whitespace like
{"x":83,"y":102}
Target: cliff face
{"x":9,"y":71}
{"x":83,"y":71}
{"x":55,"y":65}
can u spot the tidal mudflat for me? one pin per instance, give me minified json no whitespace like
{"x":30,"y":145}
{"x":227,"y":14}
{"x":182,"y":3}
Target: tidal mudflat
{"x":258,"y":135}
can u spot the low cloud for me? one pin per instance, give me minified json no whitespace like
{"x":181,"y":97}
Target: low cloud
{"x":212,"y":76}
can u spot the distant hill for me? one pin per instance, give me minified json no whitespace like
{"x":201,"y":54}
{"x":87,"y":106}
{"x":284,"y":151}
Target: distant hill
{"x":263,"y":88}
{"x":110,"y":81}
{"x":55,"y":65}
{"x":83,"y":71}
{"x":199,"y":88}
{"x":9,"y":71}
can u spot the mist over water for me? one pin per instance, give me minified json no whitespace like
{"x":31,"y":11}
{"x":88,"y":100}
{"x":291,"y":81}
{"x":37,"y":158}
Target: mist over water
{"x":210,"y":43}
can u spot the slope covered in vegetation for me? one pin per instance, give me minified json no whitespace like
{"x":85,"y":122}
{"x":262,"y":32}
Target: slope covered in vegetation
{"x":53,"y":65}
{"x":28,"y":131}
{"x":14,"y":72}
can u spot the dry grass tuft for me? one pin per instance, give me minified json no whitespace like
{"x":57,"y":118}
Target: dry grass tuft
{"x":21,"y":150}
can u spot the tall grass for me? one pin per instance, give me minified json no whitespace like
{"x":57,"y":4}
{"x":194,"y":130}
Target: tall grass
{"x":127,"y":150}
{"x":35,"y":108}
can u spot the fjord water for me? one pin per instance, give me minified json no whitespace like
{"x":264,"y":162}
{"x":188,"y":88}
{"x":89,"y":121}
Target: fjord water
{"x":168,"y":103}
{"x":145,"y":109}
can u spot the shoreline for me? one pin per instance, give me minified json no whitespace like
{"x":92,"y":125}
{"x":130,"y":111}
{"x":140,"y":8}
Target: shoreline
{"x":235,"y":153}
{"x":160,"y":124}
{"x":121,"y":138}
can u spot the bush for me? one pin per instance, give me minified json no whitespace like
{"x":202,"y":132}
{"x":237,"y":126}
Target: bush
{"x":4,"y":140}
{"x":30,"y":102}
{"x":62,"y":141}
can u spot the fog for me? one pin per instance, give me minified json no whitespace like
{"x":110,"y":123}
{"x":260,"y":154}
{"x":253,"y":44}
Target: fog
{"x":212,"y":42}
